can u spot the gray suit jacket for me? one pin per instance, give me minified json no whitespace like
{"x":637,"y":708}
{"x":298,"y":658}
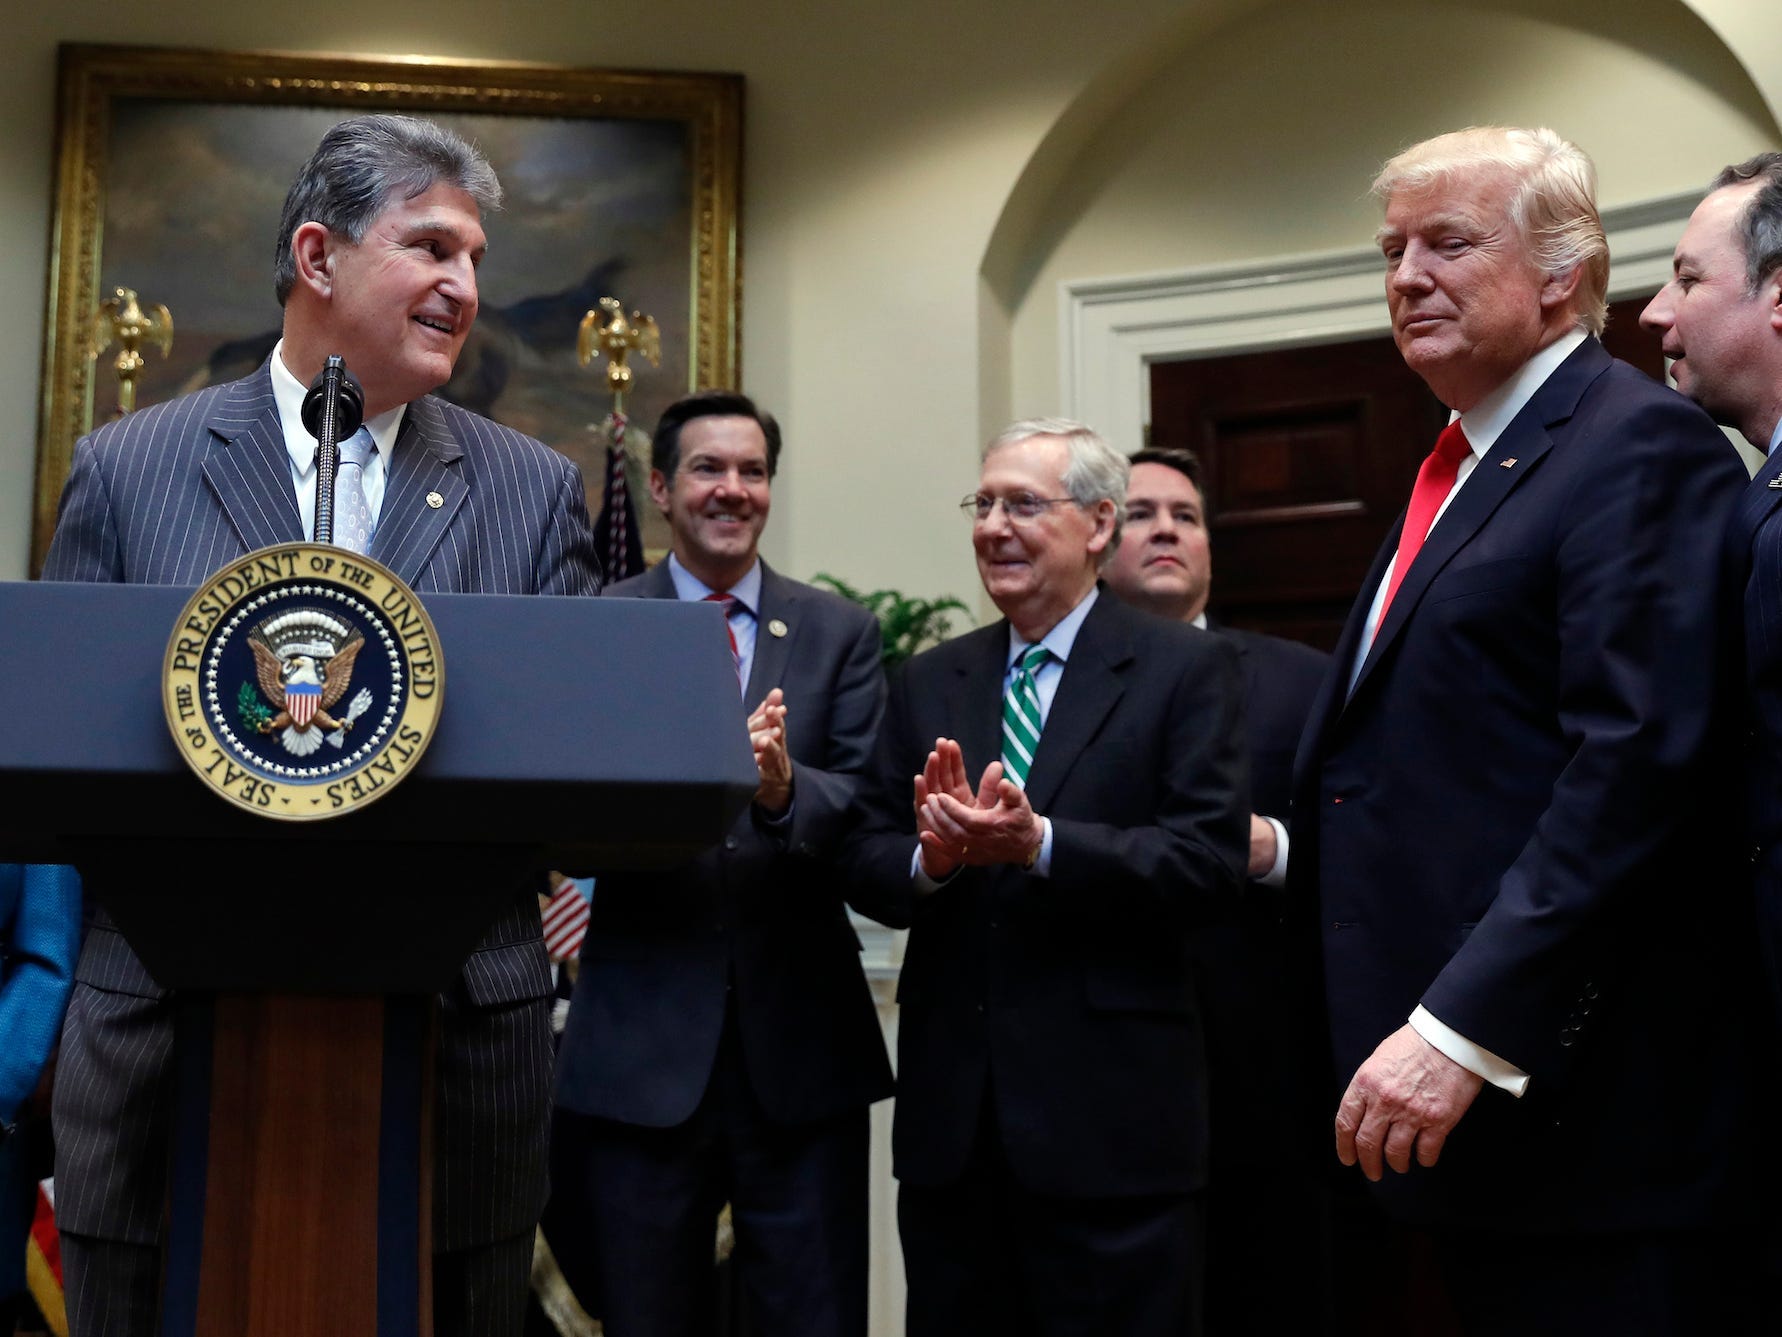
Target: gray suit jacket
{"x":758,"y":925}
{"x":166,"y":496}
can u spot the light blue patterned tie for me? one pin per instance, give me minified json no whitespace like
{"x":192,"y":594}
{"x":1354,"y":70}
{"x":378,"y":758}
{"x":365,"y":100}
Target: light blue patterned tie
{"x":1021,"y":715}
{"x":353,"y":526}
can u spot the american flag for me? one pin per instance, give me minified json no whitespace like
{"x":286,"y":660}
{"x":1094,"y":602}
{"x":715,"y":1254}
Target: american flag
{"x":565,"y":922}
{"x":301,"y":699}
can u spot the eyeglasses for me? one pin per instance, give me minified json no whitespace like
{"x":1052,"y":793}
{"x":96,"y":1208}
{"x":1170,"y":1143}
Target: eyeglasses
{"x":1020,"y":508}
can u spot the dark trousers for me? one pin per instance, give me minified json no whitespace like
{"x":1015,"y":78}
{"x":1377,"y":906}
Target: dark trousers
{"x":1399,"y":1281}
{"x":634,"y":1213}
{"x":114,"y":1289}
{"x":987,"y":1258}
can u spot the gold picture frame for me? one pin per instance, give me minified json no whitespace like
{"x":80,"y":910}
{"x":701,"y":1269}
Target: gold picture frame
{"x":171,"y":164}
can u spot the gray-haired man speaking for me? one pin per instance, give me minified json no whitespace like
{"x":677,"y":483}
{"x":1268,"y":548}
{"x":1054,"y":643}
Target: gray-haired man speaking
{"x":376,"y":260}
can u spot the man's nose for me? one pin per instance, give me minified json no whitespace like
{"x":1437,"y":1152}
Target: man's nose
{"x":1410,"y":274}
{"x":1657,"y":315}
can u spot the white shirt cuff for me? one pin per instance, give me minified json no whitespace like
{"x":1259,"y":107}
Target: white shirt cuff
{"x":1476,"y":1059}
{"x":1277,"y":873}
{"x":1042,"y":866}
{"x":925,"y":885}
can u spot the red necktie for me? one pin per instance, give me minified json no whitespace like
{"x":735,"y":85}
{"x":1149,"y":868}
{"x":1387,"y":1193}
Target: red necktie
{"x":729,"y":602}
{"x":1434,"y":481}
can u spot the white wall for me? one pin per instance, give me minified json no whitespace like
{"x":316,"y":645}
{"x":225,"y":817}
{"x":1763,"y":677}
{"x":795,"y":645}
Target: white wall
{"x":902,"y":231}
{"x":1260,"y":141}
{"x":880,"y":144}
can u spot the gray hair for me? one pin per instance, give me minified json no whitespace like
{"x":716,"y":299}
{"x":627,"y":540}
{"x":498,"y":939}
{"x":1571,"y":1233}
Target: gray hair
{"x":1096,"y":472}
{"x":1760,"y":226}
{"x":364,"y":163}
{"x":1553,"y":207}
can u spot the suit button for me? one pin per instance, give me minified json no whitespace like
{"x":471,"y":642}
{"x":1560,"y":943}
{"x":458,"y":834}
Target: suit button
{"x":1756,"y":853}
{"x":1590,"y":990}
{"x":729,"y":842}
{"x":1566,"y":1038}
{"x":980,"y":1007}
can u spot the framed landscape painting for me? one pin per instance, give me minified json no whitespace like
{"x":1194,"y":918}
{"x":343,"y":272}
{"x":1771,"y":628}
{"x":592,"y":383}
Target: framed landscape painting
{"x":172,"y":166}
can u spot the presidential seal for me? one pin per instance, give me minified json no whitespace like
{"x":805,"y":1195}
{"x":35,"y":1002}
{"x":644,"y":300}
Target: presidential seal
{"x":302,"y":681}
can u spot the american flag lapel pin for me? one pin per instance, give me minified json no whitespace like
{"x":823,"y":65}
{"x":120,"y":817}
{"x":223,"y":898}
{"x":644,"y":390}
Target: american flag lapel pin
{"x":1507,"y":464}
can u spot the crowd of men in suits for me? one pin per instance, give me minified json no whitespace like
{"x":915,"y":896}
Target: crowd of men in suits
{"x":1494,"y":932}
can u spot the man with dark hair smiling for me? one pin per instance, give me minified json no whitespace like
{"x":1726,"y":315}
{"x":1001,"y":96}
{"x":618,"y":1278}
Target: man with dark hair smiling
{"x":722,"y":1044}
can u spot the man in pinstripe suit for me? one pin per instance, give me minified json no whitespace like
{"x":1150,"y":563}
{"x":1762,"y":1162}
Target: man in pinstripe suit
{"x":376,"y":260}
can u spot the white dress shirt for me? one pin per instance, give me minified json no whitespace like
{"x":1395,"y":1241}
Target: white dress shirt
{"x":288,"y":393}
{"x":744,"y":614}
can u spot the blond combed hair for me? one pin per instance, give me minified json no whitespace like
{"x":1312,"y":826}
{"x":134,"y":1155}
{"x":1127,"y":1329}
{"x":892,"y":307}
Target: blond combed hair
{"x":1553,"y":206}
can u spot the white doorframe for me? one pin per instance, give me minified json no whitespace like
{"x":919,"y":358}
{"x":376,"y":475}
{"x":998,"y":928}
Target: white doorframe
{"x":1110,"y":330}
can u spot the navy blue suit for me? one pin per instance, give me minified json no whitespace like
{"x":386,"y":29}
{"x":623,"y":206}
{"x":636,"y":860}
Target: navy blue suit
{"x":731,"y":989}
{"x":1754,"y":542}
{"x":1510,"y":820}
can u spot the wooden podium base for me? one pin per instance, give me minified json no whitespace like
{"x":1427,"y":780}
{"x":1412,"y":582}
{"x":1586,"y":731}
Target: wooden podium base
{"x":302,"y":1168}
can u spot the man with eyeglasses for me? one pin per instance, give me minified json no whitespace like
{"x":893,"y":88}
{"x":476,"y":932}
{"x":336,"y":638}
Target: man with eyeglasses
{"x":1078,"y":810}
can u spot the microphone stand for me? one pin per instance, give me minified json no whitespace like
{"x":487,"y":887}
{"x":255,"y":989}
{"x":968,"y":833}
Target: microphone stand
{"x":333,"y":410}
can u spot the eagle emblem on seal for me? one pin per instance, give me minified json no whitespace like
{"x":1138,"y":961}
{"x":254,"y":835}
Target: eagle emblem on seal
{"x":303,"y":663}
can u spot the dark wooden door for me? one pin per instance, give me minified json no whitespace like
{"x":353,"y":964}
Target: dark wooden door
{"x":1308,"y":456}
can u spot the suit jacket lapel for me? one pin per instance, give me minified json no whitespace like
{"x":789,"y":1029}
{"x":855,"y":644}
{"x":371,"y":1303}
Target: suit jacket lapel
{"x":1518,"y":450}
{"x":973,"y":715}
{"x":425,"y":462}
{"x":1089,"y":690}
{"x":1493,"y":478}
{"x":1755,"y":506}
{"x":249,"y":470}
{"x":779,"y":602}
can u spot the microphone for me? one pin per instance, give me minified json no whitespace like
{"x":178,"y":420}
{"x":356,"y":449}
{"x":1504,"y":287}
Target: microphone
{"x":333,"y":409}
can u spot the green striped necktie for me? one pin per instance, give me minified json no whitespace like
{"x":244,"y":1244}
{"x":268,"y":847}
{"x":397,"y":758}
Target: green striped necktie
{"x":1021,"y":715}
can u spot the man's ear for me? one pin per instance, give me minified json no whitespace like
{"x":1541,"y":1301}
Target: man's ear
{"x":659,"y":490}
{"x":1104,"y":525}
{"x":1559,"y":289}
{"x":312,"y":247}
{"x":1770,"y":294}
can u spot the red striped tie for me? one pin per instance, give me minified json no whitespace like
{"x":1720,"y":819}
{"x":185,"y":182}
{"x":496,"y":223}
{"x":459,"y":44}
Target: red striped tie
{"x":1435,"y":480}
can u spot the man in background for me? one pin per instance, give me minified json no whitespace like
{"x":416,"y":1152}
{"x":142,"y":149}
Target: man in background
{"x":1056,"y":803}
{"x":722,"y":1043}
{"x":1502,"y":793}
{"x":1721,"y":320}
{"x":376,"y":260}
{"x":1259,"y":1208}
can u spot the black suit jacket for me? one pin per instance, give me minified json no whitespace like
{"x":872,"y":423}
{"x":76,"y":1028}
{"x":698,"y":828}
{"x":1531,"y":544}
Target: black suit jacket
{"x":164,"y":497}
{"x":1511,"y":817}
{"x":763,"y":914}
{"x":1281,"y":680}
{"x":1068,"y":1001}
